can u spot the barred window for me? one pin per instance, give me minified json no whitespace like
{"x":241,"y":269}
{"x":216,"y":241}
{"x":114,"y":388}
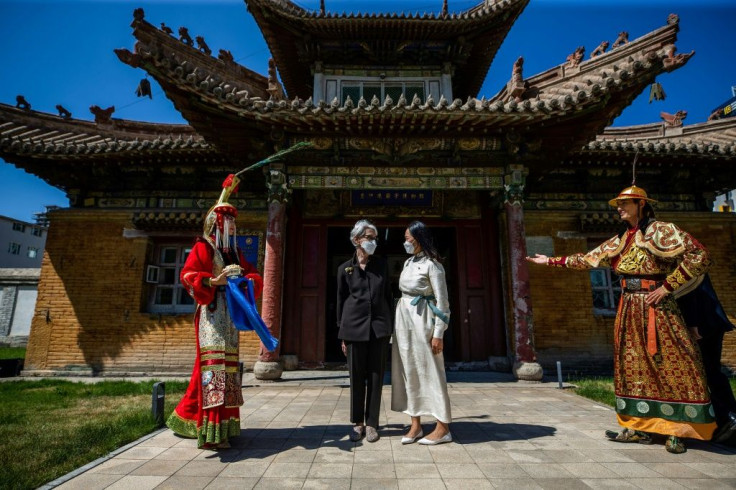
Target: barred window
{"x":37,"y":231}
{"x":167,"y":293}
{"x":32,"y":252}
{"x":367,"y":90}
{"x":14,"y":248}
{"x":19,"y":227}
{"x":606,"y":288}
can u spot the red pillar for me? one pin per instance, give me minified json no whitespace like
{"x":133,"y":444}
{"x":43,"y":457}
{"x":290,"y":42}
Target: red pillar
{"x":268,"y":365}
{"x":525,"y":358}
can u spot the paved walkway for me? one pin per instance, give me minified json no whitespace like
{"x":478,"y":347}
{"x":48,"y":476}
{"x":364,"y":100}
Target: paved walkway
{"x":507,"y":435}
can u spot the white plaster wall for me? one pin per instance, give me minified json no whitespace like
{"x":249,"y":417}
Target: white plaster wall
{"x":25,"y":303}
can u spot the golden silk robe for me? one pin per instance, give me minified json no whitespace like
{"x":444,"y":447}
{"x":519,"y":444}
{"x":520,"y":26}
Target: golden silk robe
{"x":665,"y":392}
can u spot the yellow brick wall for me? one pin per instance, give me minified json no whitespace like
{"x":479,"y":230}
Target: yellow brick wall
{"x":565,"y":327}
{"x":90,"y":313}
{"x":91,"y":307}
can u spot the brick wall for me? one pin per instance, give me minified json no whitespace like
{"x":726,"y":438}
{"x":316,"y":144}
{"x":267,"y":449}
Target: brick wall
{"x":565,"y":327}
{"x":91,"y":314}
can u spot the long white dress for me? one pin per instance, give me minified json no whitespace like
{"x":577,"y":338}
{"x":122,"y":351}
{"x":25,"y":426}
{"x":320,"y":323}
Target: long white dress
{"x":418,"y":382}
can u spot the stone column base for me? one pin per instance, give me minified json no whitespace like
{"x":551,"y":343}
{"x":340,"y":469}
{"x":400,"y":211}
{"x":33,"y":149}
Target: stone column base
{"x":528,"y":371}
{"x":268,"y":371}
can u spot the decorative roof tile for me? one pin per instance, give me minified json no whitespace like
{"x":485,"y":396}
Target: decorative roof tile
{"x":37,"y":133}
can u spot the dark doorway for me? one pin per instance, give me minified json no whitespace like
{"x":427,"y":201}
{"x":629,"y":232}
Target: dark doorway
{"x":390,"y":246}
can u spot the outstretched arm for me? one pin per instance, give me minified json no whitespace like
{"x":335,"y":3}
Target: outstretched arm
{"x":538,"y":259}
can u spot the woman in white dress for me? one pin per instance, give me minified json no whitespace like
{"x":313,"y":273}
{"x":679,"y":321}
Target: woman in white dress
{"x":418,"y":383}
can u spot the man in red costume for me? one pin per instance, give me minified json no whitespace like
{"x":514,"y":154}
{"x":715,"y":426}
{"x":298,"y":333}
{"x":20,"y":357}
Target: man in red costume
{"x":210,"y":409}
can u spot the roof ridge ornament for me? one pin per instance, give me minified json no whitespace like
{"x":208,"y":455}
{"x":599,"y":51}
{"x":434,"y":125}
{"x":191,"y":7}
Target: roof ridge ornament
{"x":185,"y":37}
{"x":601,"y":49}
{"x":22,"y":103}
{"x":63,"y":113}
{"x":623,"y":38}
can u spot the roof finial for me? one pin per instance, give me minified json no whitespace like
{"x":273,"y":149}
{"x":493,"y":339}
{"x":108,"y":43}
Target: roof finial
{"x":444,"y":8}
{"x":633,"y":169}
{"x":322,"y":7}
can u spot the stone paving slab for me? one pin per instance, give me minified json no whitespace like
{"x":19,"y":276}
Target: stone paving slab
{"x":506,"y":435}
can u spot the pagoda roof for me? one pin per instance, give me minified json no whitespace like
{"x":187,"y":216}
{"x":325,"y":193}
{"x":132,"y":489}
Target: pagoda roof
{"x":54,"y":137}
{"x":558,"y":110}
{"x":469,"y":40}
{"x":52,"y":147}
{"x":185,"y":73}
{"x":696,"y":159}
{"x":712,"y":139}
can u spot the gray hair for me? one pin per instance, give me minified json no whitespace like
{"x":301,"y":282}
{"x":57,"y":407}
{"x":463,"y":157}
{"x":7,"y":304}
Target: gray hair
{"x":359,"y":229}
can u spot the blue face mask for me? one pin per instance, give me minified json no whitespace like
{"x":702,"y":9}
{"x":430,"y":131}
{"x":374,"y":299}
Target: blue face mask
{"x":409,"y":247}
{"x":369,"y":246}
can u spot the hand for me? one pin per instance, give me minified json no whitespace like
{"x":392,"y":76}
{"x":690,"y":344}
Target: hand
{"x":220,"y":280}
{"x":695,"y":333}
{"x":344,"y":349}
{"x":538,"y":259}
{"x":437,"y":345}
{"x":656,"y":296}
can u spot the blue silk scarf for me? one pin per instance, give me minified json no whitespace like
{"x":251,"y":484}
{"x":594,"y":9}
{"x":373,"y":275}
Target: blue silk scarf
{"x":241,"y":303}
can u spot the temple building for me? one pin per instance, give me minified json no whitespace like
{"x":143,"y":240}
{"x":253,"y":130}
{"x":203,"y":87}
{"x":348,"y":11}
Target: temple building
{"x":390,"y":104}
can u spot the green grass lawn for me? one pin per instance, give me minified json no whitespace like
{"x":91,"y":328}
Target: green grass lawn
{"x":12,"y":353}
{"x":600,"y":389}
{"x":51,"y":427}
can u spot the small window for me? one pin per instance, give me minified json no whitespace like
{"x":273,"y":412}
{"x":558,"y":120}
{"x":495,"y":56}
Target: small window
{"x":606,"y":287}
{"x":380,"y":90}
{"x":14,"y":248}
{"x":32,"y":252}
{"x":19,"y":227}
{"x":37,"y":231}
{"x":167,"y":293}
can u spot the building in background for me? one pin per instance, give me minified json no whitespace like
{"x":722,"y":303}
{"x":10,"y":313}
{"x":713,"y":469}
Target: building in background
{"x":22,"y":244}
{"x":20,"y":268}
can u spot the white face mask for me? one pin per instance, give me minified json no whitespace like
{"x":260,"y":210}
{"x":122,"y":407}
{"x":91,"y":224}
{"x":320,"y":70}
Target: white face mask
{"x":409,"y":247}
{"x":369,"y":246}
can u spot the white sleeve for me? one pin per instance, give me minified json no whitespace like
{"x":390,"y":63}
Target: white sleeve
{"x":439,"y":289}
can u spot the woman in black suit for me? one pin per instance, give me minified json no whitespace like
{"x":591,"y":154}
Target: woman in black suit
{"x":365,"y":323}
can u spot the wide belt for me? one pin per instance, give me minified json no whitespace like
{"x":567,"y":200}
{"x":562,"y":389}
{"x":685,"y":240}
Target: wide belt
{"x":639,"y":285}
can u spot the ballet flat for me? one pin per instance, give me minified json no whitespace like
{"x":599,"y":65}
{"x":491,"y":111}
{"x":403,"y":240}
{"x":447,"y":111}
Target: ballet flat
{"x":433,"y":442}
{"x":411,"y":440}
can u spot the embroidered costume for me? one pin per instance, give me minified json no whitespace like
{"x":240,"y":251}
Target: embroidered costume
{"x":209,"y":410}
{"x":659,"y":380}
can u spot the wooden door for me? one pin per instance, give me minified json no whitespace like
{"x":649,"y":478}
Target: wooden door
{"x":304,"y":291}
{"x":479,"y":314}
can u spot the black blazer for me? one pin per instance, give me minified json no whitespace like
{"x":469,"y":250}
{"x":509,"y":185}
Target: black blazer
{"x":364,"y":300}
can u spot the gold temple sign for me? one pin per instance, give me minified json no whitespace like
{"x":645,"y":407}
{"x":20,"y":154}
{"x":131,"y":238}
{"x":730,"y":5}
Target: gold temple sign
{"x":481,"y":178}
{"x":404,"y":197}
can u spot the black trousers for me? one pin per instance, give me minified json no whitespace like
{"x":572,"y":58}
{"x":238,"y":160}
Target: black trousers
{"x":367,"y":363}
{"x":720,"y":389}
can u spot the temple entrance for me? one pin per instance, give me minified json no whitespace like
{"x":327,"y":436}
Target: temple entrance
{"x":390,"y":246}
{"x":471,"y":259}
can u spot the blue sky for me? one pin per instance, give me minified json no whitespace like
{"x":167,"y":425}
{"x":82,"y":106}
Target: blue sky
{"x":61,"y":52}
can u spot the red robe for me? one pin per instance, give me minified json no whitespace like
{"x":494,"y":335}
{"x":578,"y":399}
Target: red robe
{"x":209,"y":410}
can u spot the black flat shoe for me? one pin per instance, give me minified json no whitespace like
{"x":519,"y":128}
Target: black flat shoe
{"x":727,"y":430}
